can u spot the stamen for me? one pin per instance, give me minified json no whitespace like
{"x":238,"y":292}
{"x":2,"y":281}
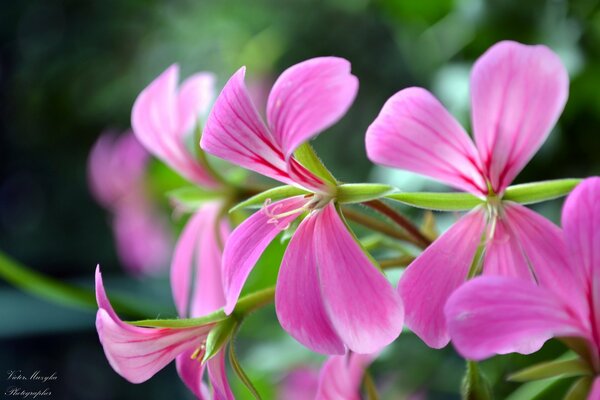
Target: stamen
{"x":272,"y":211}
{"x":198,"y":354}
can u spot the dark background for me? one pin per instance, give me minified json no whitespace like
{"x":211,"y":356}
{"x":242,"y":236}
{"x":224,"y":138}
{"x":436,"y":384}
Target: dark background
{"x":70,"y":69}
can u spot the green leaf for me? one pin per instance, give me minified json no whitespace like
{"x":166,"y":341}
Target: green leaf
{"x":277,"y":193}
{"x":56,"y":291}
{"x":438,"y":201}
{"x":563,"y":368}
{"x":219,"y":336}
{"x":580,"y":389}
{"x":192,"y":197}
{"x":475,"y":386}
{"x":235,"y":364}
{"x":529,"y":193}
{"x":535,"y":390}
{"x":359,"y":192}
{"x":307,"y":157}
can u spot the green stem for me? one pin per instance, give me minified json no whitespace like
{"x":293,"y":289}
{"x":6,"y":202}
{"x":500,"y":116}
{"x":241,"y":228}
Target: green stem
{"x":375,"y":224}
{"x":254,"y":301}
{"x":401,"y":261}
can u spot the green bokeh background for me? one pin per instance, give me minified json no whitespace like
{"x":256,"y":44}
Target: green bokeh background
{"x":70,"y":69}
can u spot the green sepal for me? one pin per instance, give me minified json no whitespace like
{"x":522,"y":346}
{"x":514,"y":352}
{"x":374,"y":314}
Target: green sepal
{"x":211,"y":318}
{"x":192,"y":197}
{"x":309,"y":159}
{"x":536,"y":192}
{"x":237,"y":368}
{"x":580,"y":389}
{"x":438,"y":201}
{"x":219,"y":336}
{"x":475,"y":386}
{"x":359,"y":192}
{"x":563,"y":368}
{"x":277,"y":193}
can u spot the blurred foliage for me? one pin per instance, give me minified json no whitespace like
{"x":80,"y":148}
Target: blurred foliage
{"x":70,"y":69}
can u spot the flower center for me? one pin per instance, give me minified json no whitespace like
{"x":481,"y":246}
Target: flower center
{"x":198,"y":354}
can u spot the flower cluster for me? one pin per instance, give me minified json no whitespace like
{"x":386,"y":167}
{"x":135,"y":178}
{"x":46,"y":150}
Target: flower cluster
{"x":501,"y":279}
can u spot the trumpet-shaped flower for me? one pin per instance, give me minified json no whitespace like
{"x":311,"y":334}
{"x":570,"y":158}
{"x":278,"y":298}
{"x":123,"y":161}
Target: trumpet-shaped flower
{"x":517,"y":95}
{"x":329,"y":295}
{"x":498,"y":315}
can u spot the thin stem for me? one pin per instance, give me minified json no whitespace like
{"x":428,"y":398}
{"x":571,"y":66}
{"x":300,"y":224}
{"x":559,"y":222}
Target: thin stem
{"x":375,"y":224}
{"x":254,"y":301}
{"x":401,"y":261}
{"x":379,"y":206}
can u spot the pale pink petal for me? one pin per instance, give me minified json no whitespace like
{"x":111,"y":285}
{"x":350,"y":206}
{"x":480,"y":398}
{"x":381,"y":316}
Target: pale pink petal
{"x":156,"y":121}
{"x":300,"y":384}
{"x":362,"y":305}
{"x":595,"y":392}
{"x":428,"y":282}
{"x":298,"y":299}
{"x":581,"y":222}
{"x":308,"y":98}
{"x":217,"y":374}
{"x":414,"y":132}
{"x":497,"y":315}
{"x":194,"y":98}
{"x":503,"y":253}
{"x":543,"y":245}
{"x":235,"y":132}
{"x":138,"y":353}
{"x":517,"y":95}
{"x":341,"y":377}
{"x":191,"y":371}
{"x":249,"y":240}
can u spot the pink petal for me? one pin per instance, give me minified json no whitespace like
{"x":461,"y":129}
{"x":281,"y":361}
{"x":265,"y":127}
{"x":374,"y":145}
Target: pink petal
{"x":249,"y":240}
{"x":157,"y":122}
{"x":497,"y":315}
{"x":504,"y":255}
{"x":428,"y":282}
{"x":517,"y":95}
{"x":235,"y":132}
{"x":595,"y":392}
{"x":308,"y":98}
{"x":300,"y":384}
{"x":298,"y":298}
{"x":581,"y":222}
{"x":341,"y":377}
{"x":138,"y":353}
{"x":194,"y":98}
{"x":218,"y":377}
{"x":191,"y":371}
{"x":198,"y":241}
{"x":415,"y":132}
{"x":363,"y":308}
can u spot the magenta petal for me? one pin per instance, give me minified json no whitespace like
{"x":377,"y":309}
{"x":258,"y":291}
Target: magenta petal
{"x":595,"y":392}
{"x":341,"y":377}
{"x":517,"y":95}
{"x":217,"y":374}
{"x":504,"y":255}
{"x":235,"y":132}
{"x":428,"y":282}
{"x":298,"y":299}
{"x":308,"y":98}
{"x":191,"y":371}
{"x":362,"y":305}
{"x":138,"y":353}
{"x":414,"y":132}
{"x":497,"y":315}
{"x":249,"y":240}
{"x":193,"y":100}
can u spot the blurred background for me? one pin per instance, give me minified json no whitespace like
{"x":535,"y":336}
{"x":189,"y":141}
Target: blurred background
{"x":71,"y":69}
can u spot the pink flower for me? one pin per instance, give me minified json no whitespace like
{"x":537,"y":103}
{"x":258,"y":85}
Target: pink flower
{"x":517,"y":95}
{"x":164,"y":115}
{"x":498,"y":315}
{"x":329,"y":295}
{"x":116,"y":168}
{"x":299,"y":384}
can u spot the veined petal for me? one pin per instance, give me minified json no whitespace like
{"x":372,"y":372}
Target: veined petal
{"x":235,"y":132}
{"x":308,"y":98}
{"x":341,"y":376}
{"x":415,"y":132}
{"x":496,"y":315}
{"x":191,"y":371}
{"x":517,"y":95}
{"x":298,"y":298}
{"x":157,"y":122}
{"x":218,"y":377}
{"x":193,"y":100}
{"x":363,"y":308}
{"x":428,"y":282}
{"x":581,"y":223}
{"x":138,"y":353}
{"x":504,"y":255}
{"x":249,"y":240}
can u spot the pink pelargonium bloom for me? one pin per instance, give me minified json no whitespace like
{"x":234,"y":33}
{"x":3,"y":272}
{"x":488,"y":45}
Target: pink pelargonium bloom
{"x":517,"y":95}
{"x":329,"y":295}
{"x":164,"y":115}
{"x":499,"y":315}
